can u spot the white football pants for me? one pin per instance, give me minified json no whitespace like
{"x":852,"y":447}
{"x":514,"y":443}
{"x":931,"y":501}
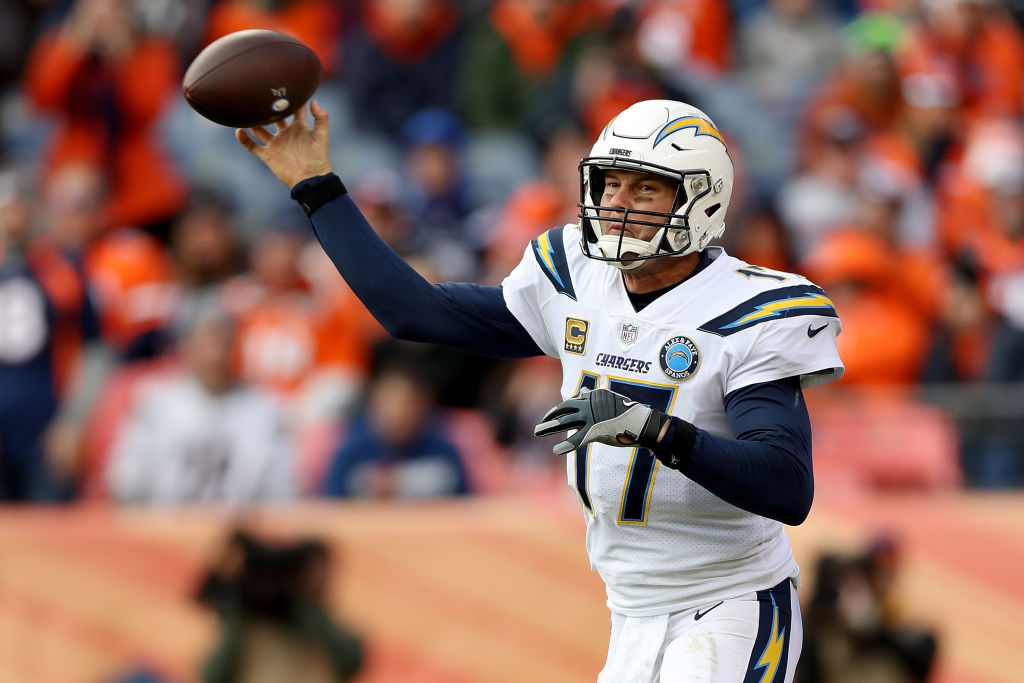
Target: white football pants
{"x":752,"y":639}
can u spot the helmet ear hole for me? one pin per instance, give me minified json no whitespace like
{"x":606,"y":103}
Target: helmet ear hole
{"x":712,"y":210}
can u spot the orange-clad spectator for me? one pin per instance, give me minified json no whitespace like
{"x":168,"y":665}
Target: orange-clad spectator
{"x":108,"y":83}
{"x":275,"y":312}
{"x":983,"y":45}
{"x":537,"y":204}
{"x":345,"y":333}
{"x":925,"y":138}
{"x":533,"y":205}
{"x":345,"y":330}
{"x":898,"y":206}
{"x":131,"y":274}
{"x":945,"y":293}
{"x":298,"y":333}
{"x":982,"y":224}
{"x":885,"y":339}
{"x":922,"y":271}
{"x":128,"y":270}
{"x":690,"y":35}
{"x":981,"y":215}
{"x":518,"y":60}
{"x":314,"y":22}
{"x":611,"y":76}
{"x":400,"y":60}
{"x":762,"y":240}
{"x":866,"y":82}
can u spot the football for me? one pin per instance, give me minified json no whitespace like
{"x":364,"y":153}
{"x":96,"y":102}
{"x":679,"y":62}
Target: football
{"x":251,"y":78}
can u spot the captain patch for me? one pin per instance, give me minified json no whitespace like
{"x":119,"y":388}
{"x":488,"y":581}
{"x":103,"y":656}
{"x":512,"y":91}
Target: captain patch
{"x":576,"y":335}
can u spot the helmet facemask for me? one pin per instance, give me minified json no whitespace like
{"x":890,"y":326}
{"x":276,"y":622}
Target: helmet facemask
{"x":674,"y":237}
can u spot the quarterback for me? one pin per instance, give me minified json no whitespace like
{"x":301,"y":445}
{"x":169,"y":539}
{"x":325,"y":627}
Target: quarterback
{"x":684,"y":428}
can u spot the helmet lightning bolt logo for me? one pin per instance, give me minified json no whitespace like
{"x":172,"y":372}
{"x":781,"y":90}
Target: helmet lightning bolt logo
{"x":773,"y":309}
{"x":700,"y":126}
{"x":771,"y":658}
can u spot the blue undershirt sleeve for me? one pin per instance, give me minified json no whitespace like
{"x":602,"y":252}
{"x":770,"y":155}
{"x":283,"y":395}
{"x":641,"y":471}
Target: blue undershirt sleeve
{"x":465,"y":316}
{"x":766,"y":468}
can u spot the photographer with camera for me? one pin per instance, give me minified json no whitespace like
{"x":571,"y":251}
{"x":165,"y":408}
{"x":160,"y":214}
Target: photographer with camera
{"x":275,"y":625}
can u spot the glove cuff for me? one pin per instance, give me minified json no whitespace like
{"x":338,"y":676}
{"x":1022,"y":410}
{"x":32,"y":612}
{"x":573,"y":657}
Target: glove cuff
{"x":652,"y":428}
{"x":674,"y":450}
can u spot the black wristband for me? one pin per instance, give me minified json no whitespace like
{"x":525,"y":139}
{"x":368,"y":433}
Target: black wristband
{"x":312,"y":193}
{"x":677,"y":445}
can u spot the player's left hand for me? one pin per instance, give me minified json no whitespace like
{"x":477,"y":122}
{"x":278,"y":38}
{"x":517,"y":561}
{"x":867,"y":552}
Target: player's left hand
{"x":603,"y":416}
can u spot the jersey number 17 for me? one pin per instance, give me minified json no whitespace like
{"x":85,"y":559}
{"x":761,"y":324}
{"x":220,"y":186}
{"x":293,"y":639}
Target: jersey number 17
{"x":636,"y":490}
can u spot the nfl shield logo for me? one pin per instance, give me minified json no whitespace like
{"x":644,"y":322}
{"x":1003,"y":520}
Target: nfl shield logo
{"x":628,"y":333}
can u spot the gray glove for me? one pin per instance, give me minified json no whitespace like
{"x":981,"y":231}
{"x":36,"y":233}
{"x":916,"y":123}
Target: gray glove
{"x":603,"y":416}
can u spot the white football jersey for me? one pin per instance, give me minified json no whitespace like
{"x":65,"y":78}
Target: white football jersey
{"x":660,"y":541}
{"x":183,"y":445}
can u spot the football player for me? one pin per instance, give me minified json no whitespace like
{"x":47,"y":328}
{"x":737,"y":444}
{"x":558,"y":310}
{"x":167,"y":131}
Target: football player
{"x":687,"y":439}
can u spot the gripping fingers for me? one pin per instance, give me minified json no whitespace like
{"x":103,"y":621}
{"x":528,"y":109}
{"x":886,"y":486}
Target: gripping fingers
{"x":262,"y":134}
{"x":319,"y":115}
{"x":570,"y":444}
{"x":547,"y":428}
{"x":246,"y":141}
{"x":569,"y":414}
{"x":557,"y":422}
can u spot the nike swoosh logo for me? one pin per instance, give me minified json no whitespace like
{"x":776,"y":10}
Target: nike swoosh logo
{"x":699,"y":615}
{"x":811,"y":331}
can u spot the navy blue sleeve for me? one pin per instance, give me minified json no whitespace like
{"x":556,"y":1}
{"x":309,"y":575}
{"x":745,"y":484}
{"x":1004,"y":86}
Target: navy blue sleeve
{"x":468,"y":317}
{"x":766,"y":468}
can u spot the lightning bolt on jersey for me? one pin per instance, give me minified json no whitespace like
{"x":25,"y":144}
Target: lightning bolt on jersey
{"x":660,"y":541}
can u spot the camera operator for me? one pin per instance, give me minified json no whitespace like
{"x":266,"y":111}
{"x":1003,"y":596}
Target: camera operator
{"x":275,"y":626}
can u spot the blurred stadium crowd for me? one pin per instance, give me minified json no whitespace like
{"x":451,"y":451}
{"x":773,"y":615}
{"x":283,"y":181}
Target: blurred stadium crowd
{"x":170,"y":333}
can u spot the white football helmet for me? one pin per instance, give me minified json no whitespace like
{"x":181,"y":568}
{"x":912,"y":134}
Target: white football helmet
{"x":669,"y":139}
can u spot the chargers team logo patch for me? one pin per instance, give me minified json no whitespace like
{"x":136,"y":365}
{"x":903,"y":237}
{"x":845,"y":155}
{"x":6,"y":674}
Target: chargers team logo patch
{"x":576,"y":335}
{"x":679,"y":358}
